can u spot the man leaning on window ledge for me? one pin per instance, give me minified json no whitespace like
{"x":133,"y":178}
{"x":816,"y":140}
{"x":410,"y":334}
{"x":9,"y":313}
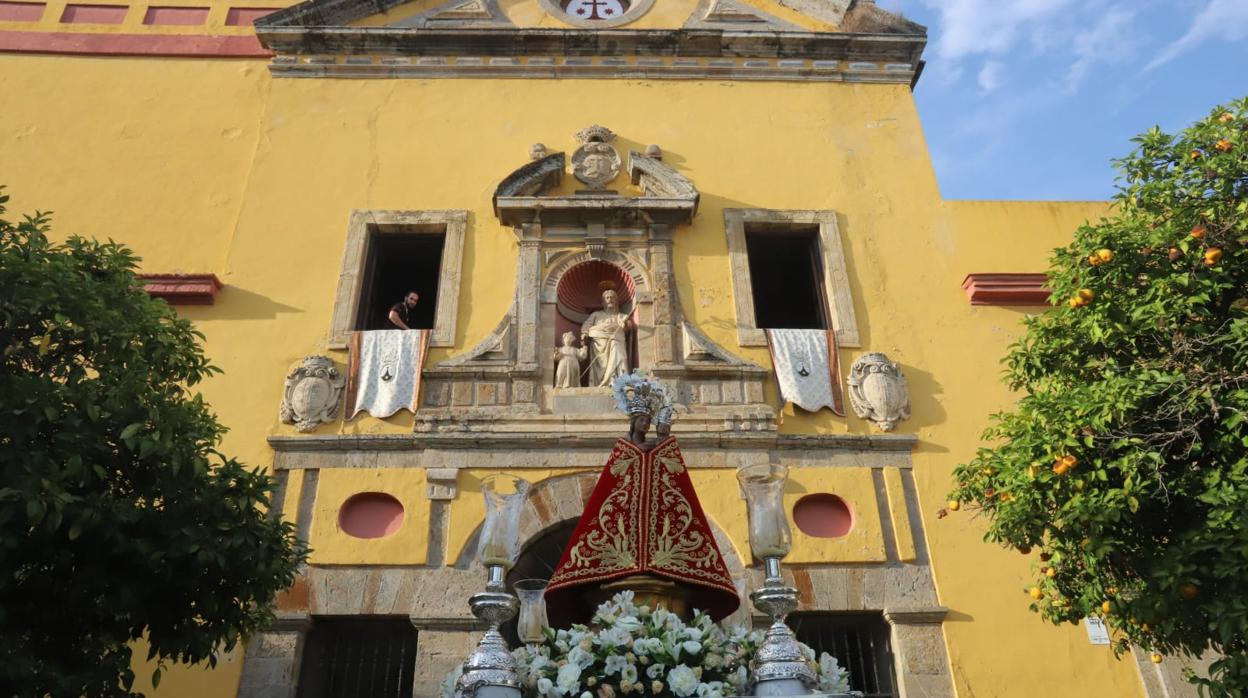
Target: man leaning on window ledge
{"x":401,"y":312}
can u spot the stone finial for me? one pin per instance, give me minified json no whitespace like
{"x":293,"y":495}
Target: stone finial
{"x":878,"y":390}
{"x":654,"y":151}
{"x":537,"y":151}
{"x":313,"y":391}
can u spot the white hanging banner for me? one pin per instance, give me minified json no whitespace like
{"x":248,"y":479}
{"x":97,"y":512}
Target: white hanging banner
{"x":808,"y":368}
{"x":384,"y":372}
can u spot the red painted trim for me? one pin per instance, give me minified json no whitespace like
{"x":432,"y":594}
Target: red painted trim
{"x":1006,"y":289}
{"x":21,"y":11}
{"x":94,"y":14}
{"x":175,"y":16}
{"x":182,"y":289}
{"x":246,"y":16}
{"x":247,"y":46}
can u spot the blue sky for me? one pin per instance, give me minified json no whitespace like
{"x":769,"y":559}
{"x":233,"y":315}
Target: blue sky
{"x":1031,"y":99}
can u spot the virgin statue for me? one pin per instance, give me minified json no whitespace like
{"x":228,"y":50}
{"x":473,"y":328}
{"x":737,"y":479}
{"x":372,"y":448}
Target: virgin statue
{"x":606,"y":333}
{"x":643,"y":529}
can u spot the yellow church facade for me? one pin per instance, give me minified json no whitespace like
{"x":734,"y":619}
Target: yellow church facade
{"x":723,"y":165}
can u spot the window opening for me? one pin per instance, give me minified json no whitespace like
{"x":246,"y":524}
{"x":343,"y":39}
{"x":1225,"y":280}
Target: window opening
{"x":395,"y":265}
{"x":786,"y":272}
{"x":350,"y":657}
{"x":861,"y":643}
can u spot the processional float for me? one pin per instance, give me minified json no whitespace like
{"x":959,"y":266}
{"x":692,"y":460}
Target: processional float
{"x":644,"y":556}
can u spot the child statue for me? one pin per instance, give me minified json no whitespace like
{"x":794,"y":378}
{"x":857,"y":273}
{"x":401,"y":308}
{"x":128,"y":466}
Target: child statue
{"x":568,"y":368}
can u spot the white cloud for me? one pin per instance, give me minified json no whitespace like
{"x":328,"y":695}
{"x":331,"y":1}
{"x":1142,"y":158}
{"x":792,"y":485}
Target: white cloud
{"x":1224,"y":20}
{"x":990,"y":76}
{"x":970,"y":27}
{"x":1111,"y":39}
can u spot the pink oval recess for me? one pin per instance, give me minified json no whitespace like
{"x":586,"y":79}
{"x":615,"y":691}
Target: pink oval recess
{"x":370,"y":515}
{"x":823,"y":516}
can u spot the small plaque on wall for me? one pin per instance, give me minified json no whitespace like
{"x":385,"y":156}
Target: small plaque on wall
{"x":1098,"y":634}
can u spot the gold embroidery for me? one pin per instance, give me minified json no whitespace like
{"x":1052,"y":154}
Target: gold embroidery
{"x":611,"y":542}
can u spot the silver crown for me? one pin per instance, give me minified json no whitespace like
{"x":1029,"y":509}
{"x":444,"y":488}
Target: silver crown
{"x":589,"y":134}
{"x":635,"y":394}
{"x":666,"y":414}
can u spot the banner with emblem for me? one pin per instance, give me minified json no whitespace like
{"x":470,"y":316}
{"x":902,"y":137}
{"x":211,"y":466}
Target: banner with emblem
{"x":808,"y":368}
{"x":384,"y":371}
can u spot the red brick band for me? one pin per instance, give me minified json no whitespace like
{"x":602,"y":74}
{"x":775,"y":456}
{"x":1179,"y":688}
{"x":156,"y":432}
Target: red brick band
{"x":197,"y":45}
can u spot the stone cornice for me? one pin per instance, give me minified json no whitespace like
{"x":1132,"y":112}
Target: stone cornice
{"x":586,"y":209}
{"x":502,"y":441}
{"x":315,"y":51}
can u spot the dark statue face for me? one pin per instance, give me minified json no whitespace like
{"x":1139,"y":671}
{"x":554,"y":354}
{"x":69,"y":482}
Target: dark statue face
{"x":641,"y":424}
{"x":663,"y":430}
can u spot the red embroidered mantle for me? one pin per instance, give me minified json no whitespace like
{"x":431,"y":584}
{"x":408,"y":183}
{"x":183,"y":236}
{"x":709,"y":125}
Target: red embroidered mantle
{"x":643,"y":517}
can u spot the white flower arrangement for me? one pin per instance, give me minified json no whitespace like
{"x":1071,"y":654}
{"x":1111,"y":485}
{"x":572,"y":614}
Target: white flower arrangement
{"x":632,"y":650}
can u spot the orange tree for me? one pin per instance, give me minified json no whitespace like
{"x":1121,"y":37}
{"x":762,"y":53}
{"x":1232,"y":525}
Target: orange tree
{"x":1124,"y":464}
{"x":119,"y":519}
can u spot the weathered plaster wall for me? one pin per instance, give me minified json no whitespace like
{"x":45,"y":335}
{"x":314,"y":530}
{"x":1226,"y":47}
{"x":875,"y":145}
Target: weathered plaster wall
{"x":211,"y":166}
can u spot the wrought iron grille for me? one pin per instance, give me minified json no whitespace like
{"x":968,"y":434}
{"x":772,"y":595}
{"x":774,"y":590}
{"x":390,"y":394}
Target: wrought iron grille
{"x":859,"y":641}
{"x":357,"y":658}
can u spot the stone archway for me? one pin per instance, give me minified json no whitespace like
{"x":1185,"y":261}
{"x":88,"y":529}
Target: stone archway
{"x":555,"y":501}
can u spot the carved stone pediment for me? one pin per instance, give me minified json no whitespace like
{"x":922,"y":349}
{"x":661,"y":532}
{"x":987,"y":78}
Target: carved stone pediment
{"x":533,"y":178}
{"x":659,"y":180}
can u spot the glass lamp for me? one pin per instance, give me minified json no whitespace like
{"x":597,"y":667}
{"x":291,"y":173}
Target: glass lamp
{"x":532,"y":624}
{"x":490,"y":671}
{"x":779,"y":668}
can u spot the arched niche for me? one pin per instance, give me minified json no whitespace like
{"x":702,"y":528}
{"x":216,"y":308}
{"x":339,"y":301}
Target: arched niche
{"x":578,"y":293}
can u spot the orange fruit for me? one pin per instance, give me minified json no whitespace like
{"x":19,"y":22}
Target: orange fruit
{"x":1155,"y":657}
{"x":1198,"y":232}
{"x":1223,"y":145}
{"x":1050,"y":572}
{"x":1226,"y":116}
{"x":1145,"y":627}
{"x":1060,"y":468}
{"x":1213,"y":255}
{"x":1105,"y":607}
{"x":954,"y":505}
{"x":1086,"y":294}
{"x":1175,"y":253}
{"x":1069,"y":460}
{"x":1195,"y":154}
{"x":1105,"y":255}
{"x":1076,"y":302}
{"x":1112,"y":591}
{"x":1188,"y":591}
{"x":1094,"y":260}
{"x":1035,"y":593}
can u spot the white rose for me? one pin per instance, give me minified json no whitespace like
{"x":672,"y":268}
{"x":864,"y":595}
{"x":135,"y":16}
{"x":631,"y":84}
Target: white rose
{"x":544,"y":686}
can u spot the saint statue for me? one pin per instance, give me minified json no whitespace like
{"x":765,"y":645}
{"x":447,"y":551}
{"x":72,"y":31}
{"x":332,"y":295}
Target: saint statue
{"x":643,"y":528}
{"x":605,"y":332}
{"x":568,"y":362}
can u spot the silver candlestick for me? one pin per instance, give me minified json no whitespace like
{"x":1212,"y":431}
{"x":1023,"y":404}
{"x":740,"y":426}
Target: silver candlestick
{"x":780,"y":667}
{"x":490,"y":671}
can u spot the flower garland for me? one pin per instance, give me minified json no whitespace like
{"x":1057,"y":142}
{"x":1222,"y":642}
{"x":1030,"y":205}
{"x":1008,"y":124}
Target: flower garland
{"x":631,"y":650}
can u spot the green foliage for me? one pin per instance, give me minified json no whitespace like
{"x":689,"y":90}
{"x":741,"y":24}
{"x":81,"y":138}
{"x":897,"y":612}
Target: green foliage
{"x":119,"y":520}
{"x":1140,"y":379}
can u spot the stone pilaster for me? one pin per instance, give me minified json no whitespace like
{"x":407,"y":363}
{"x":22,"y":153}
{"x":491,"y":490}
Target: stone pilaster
{"x":271,"y":663}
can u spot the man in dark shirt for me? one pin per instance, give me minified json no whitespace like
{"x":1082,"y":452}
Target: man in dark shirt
{"x":401,"y":313}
